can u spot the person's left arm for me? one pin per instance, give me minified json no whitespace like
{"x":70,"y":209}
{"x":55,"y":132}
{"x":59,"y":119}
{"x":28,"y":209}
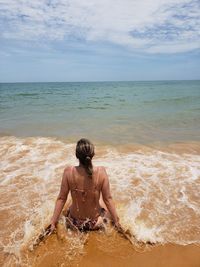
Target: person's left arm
{"x":61,"y":199}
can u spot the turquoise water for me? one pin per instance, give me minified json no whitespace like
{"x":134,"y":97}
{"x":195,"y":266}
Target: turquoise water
{"x":106,"y":112}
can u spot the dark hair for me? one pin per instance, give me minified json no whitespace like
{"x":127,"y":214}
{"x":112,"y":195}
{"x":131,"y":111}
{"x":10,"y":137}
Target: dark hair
{"x":85,"y":153}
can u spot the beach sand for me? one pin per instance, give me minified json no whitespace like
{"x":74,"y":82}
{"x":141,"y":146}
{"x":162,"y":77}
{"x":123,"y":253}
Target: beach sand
{"x":155,"y":188}
{"x":120,"y":254}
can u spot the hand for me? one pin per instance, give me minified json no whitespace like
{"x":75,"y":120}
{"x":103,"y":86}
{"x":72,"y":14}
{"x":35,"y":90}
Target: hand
{"x":118,"y":227}
{"x":53,"y":227}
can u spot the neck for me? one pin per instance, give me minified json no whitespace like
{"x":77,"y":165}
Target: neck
{"x":81,"y":165}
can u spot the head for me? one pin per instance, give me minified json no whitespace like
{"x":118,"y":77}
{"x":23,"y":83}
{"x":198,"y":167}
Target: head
{"x":85,"y":153}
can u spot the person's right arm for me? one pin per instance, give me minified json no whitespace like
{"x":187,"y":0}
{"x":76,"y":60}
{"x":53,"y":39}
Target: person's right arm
{"x":107,"y":198}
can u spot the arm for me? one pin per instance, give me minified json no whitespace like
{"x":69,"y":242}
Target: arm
{"x":61,"y":199}
{"x":107,"y":198}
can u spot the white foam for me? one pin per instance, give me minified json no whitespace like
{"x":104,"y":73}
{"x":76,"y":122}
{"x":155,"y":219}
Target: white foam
{"x":153,"y":190}
{"x":161,"y":178}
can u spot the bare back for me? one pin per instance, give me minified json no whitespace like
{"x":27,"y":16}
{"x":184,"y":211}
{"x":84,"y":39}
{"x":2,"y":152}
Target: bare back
{"x":85,"y":192}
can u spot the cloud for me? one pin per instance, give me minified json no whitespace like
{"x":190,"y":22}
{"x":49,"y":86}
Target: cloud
{"x":152,"y":26}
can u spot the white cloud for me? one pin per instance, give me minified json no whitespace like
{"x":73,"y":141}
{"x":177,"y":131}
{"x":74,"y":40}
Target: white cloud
{"x":155,"y":26}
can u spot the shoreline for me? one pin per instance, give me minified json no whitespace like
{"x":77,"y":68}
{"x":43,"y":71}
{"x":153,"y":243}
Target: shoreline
{"x":162,"y":256}
{"x":179,"y":147}
{"x":154,"y":188}
{"x":119,"y":253}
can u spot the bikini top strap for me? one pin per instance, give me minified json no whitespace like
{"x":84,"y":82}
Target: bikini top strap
{"x":74,"y":187}
{"x":97,"y":179}
{"x":74,"y":183}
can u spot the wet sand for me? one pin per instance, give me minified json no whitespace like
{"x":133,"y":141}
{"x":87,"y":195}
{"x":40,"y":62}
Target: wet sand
{"x":155,"y":188}
{"x":160,"y":256}
{"x":120,"y":254}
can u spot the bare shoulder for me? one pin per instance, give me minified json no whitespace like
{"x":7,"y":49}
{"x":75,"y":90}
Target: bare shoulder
{"x":67,"y":171}
{"x":67,"y":168}
{"x":101,"y":169}
{"x":102,"y":173}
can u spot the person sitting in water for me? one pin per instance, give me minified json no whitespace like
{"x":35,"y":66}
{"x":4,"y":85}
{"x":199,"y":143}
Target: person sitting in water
{"x":86,"y":184}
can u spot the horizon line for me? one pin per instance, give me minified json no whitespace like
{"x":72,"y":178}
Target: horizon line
{"x":97,"y":81}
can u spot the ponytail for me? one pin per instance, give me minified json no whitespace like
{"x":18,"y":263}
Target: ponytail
{"x":85,"y":153}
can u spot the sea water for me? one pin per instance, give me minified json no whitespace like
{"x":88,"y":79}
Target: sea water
{"x":146,"y":134}
{"x":108,"y":112}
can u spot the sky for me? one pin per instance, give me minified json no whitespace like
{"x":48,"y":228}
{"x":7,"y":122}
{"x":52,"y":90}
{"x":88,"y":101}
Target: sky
{"x":99,"y":40}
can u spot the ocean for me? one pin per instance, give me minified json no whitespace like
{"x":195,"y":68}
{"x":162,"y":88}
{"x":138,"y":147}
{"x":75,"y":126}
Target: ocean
{"x":146,"y":134}
{"x":106,"y":112}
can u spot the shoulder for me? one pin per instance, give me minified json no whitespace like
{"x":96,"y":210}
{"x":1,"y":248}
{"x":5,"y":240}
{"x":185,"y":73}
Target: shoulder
{"x":102,"y":173}
{"x":67,"y":171}
{"x":100,"y":170}
{"x":68,"y":168}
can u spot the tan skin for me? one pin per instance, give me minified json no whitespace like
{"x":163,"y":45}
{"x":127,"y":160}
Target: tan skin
{"x":89,"y":208}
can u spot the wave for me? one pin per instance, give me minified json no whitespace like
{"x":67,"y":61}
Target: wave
{"x":173,"y":100}
{"x":156,"y":192}
{"x":90,"y":107}
{"x":28,"y":94}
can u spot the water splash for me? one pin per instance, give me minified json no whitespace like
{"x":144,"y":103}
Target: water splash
{"x":156,"y":192}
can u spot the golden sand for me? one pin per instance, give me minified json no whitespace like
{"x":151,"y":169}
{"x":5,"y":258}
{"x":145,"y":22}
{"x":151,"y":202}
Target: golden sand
{"x":155,"y":188}
{"x":120,"y":253}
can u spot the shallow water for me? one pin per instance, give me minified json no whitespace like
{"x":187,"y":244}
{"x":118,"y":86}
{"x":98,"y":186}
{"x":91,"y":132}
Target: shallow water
{"x":106,"y":112}
{"x":156,"y":191}
{"x":146,"y":135}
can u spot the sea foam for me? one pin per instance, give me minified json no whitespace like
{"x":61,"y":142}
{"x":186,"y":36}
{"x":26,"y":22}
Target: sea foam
{"x":156,"y":193}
